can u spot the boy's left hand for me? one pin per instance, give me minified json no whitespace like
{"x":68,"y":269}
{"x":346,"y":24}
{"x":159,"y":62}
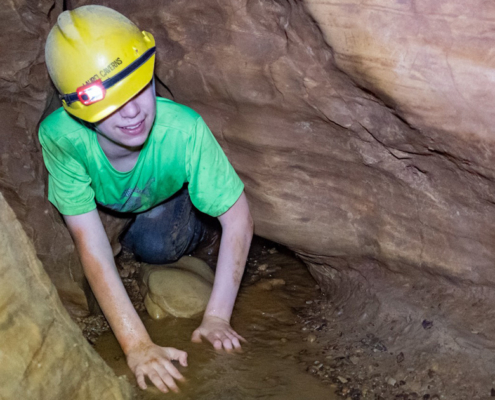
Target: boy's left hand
{"x":219,"y":333}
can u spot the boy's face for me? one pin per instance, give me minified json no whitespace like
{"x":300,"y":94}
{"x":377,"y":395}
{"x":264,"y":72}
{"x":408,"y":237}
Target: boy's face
{"x":130,"y":125}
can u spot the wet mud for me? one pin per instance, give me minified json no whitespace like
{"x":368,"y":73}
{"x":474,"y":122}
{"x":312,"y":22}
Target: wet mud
{"x":302,"y":346}
{"x":275,"y":289}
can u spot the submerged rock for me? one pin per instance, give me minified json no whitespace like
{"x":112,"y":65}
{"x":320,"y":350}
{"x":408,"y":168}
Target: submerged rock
{"x":181,"y":289}
{"x":270,"y":284}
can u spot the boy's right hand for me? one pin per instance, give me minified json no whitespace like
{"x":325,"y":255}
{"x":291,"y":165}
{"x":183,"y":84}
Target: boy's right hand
{"x":155,"y":362}
{"x":145,"y":359}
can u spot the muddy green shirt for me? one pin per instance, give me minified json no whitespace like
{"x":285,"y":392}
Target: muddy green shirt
{"x":179,"y":149}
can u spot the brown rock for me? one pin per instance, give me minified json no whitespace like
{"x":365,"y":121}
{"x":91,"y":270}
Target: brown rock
{"x":25,"y":93}
{"x":311,"y":338}
{"x":346,"y":177}
{"x":366,"y":149}
{"x":269,"y":284}
{"x":42,"y":351}
{"x":181,"y":289}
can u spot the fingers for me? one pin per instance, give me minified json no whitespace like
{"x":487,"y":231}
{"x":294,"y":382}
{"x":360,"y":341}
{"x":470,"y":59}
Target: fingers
{"x":222,"y":337}
{"x":217,"y":344}
{"x":155,"y":363}
{"x":140,"y":380}
{"x":173,"y":371}
{"x":196,"y":336}
{"x":227,"y":345}
{"x":234,"y":341}
{"x":167,"y":374}
{"x":236,"y":344}
{"x":178,"y":355}
{"x":226,"y":341}
{"x":239,"y":337}
{"x":162,"y":375}
{"x":183,"y":359}
{"x":158,"y":381}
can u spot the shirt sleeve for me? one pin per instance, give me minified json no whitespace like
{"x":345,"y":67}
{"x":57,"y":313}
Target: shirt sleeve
{"x":69,"y":183}
{"x":214,"y":186}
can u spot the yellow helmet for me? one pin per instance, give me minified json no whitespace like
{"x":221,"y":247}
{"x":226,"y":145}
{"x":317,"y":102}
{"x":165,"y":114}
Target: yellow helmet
{"x":98,"y":60}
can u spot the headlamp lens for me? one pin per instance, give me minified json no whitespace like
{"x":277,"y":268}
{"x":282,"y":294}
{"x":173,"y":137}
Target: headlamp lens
{"x":91,"y":93}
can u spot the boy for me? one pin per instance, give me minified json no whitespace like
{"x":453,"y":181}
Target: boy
{"x":114,"y":143}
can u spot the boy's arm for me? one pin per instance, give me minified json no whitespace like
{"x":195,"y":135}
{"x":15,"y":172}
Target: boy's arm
{"x":237,"y":232}
{"x":143,"y":356}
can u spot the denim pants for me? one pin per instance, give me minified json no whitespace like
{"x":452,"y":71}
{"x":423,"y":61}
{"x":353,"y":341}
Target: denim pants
{"x":166,"y":232}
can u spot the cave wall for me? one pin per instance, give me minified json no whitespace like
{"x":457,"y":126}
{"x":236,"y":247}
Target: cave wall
{"x":344,"y":138}
{"x":43,"y":354}
{"x":431,"y":61}
{"x":25,"y":93}
{"x":361,"y":130}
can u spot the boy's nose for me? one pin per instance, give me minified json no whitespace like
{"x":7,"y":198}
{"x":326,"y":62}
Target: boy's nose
{"x":131,"y":109}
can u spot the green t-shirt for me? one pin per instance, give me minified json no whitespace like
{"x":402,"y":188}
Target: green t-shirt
{"x":179,"y":149}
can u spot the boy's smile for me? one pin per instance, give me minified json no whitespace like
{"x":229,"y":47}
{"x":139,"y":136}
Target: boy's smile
{"x":125,"y":131}
{"x":133,"y":129}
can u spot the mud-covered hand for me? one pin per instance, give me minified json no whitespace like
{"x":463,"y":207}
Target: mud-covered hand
{"x":219,"y":333}
{"x":155,"y":362}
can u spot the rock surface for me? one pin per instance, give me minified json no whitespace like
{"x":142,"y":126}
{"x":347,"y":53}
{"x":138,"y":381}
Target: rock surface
{"x":25,"y":93}
{"x":366,"y":149}
{"x":42,"y":352}
{"x":181,"y":289}
{"x":344,"y":175}
{"x":430,"y":65}
{"x":344,"y":156}
{"x":362,"y":131}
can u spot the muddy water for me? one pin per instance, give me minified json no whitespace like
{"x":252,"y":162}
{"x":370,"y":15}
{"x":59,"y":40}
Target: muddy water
{"x":269,"y":367}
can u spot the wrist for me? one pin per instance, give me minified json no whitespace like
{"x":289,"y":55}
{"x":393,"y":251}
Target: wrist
{"x":136,"y":345}
{"x":209,"y":317}
{"x":220,"y":308}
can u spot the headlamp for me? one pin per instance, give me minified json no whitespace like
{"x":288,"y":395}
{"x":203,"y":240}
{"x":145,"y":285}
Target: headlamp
{"x":91,"y":93}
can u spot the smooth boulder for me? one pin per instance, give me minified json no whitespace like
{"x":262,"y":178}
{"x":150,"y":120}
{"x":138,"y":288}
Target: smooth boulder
{"x":181,"y":289}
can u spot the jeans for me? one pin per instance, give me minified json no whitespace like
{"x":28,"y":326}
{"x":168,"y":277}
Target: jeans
{"x":166,"y":232}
